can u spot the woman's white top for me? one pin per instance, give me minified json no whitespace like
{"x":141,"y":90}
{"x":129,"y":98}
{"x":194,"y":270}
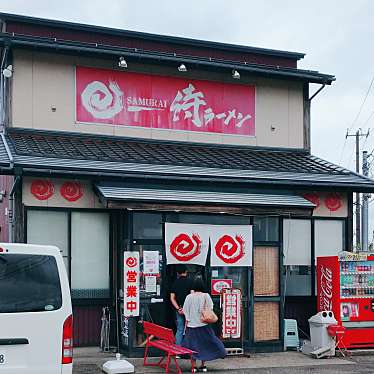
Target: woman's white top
{"x":194,"y":305}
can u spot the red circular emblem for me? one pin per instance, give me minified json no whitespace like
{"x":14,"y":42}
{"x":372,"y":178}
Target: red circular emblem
{"x":71,"y":191}
{"x":333,"y":201}
{"x":185,"y":247}
{"x":131,"y":262}
{"x":42,"y":189}
{"x":230,"y":250}
{"x":313,"y":198}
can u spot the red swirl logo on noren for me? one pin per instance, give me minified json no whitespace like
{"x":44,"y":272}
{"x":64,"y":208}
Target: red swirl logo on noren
{"x":230,"y":250}
{"x":185,"y":247}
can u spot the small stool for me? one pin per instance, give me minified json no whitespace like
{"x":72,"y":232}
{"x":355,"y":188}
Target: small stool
{"x":337,"y":333}
{"x":291,"y":334}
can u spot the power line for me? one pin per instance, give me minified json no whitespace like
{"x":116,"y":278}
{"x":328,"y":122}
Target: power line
{"x":356,"y":118}
{"x":369,"y":118}
{"x":362,"y":104}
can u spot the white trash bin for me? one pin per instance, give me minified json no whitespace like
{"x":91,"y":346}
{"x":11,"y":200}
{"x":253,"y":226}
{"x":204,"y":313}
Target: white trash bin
{"x":321,"y":344}
{"x":318,"y":323}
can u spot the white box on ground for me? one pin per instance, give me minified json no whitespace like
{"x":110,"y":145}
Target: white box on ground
{"x":118,"y":366}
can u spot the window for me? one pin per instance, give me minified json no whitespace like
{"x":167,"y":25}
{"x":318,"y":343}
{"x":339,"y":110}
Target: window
{"x":266,"y":229}
{"x":147,"y":225}
{"x":29,"y":283}
{"x":266,"y":271}
{"x":90,"y":255}
{"x":85,"y":251}
{"x":329,"y":237}
{"x":297,"y":256}
{"x":57,"y":233}
{"x":266,"y":321}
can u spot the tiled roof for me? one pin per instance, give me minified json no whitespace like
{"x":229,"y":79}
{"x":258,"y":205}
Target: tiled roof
{"x":135,"y":151}
{"x":57,"y":150}
{"x":4,"y":158}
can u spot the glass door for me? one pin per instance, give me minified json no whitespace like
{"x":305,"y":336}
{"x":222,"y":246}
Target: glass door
{"x":152,"y":293}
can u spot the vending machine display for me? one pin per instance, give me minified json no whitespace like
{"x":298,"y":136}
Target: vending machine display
{"x":345,"y":285}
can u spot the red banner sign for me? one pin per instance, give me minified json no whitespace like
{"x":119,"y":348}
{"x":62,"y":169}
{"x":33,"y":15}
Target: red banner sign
{"x":131,"y":279}
{"x":143,"y":100}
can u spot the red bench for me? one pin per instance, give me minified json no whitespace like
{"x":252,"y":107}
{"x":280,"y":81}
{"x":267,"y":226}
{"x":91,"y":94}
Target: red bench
{"x":163,"y":339}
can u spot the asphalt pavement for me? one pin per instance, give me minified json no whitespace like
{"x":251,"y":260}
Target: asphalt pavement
{"x":90,"y":360}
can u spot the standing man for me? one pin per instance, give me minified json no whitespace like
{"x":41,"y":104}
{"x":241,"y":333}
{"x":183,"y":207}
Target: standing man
{"x":181,"y":287}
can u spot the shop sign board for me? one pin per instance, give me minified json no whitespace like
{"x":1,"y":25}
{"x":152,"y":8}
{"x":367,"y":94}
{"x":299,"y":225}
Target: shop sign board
{"x":217,"y":285}
{"x":143,"y":100}
{"x":186,"y":243}
{"x":131,"y":284}
{"x":231,"y":245}
{"x":231,"y":301}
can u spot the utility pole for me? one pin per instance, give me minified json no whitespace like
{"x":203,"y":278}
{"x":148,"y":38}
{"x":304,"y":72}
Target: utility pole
{"x":365,"y":205}
{"x":358,"y":134}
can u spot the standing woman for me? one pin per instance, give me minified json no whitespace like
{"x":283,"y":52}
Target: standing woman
{"x":199,"y":336}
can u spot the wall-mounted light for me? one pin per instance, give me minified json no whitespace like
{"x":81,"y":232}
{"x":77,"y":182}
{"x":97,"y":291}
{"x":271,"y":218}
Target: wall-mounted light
{"x":235,"y":74}
{"x":8,"y":71}
{"x":122,"y":63}
{"x":182,"y":67}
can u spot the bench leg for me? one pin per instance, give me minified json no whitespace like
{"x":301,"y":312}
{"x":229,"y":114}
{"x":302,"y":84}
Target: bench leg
{"x":192,"y":364}
{"x":145,"y":355}
{"x":177,"y":368}
{"x":167,"y":364}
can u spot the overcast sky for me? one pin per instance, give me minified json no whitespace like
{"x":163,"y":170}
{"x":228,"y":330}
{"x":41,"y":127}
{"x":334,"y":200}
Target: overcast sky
{"x":336,"y":35}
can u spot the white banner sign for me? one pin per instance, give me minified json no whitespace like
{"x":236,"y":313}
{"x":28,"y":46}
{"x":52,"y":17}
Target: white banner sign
{"x":231,"y":301}
{"x":231,"y":245}
{"x":186,"y":243}
{"x":131,"y":284}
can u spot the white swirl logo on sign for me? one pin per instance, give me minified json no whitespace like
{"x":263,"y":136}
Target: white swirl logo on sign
{"x":101,"y":101}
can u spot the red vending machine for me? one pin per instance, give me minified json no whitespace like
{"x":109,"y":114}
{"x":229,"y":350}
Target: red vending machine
{"x":345,"y":285}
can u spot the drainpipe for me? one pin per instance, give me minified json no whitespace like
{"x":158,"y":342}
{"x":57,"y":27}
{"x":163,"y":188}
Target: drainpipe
{"x":11,"y":209}
{"x":2,"y":86}
{"x":12,"y":192}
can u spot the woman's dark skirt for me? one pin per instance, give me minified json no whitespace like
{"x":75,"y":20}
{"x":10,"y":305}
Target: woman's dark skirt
{"x":203,"y":341}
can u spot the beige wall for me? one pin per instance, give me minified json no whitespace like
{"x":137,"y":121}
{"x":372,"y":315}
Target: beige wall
{"x":50,"y":192}
{"x":43,"y":91}
{"x":329,"y":204}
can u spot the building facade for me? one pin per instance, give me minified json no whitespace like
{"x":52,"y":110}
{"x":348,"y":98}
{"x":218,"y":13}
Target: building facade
{"x":111,"y":135}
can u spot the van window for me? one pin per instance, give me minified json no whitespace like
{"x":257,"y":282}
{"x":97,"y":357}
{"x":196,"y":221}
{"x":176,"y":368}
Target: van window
{"x":29,"y":283}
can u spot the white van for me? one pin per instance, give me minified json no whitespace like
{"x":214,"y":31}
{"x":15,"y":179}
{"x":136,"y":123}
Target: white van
{"x":36,"y":324}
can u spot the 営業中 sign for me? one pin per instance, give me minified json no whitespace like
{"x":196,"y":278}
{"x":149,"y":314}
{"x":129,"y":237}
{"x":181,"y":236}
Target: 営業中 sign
{"x":231,"y":301}
{"x":131,"y":284}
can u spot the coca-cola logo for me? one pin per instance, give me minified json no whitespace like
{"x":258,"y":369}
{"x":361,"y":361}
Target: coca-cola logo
{"x":42,"y":189}
{"x":71,"y":191}
{"x":229,"y":249}
{"x":326,"y":290}
{"x":185,"y":247}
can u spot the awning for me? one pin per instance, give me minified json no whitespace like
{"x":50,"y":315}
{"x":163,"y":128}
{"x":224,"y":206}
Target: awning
{"x":154,"y":195}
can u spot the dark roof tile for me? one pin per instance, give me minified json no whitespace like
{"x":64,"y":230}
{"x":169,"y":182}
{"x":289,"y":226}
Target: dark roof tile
{"x":96,"y":148}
